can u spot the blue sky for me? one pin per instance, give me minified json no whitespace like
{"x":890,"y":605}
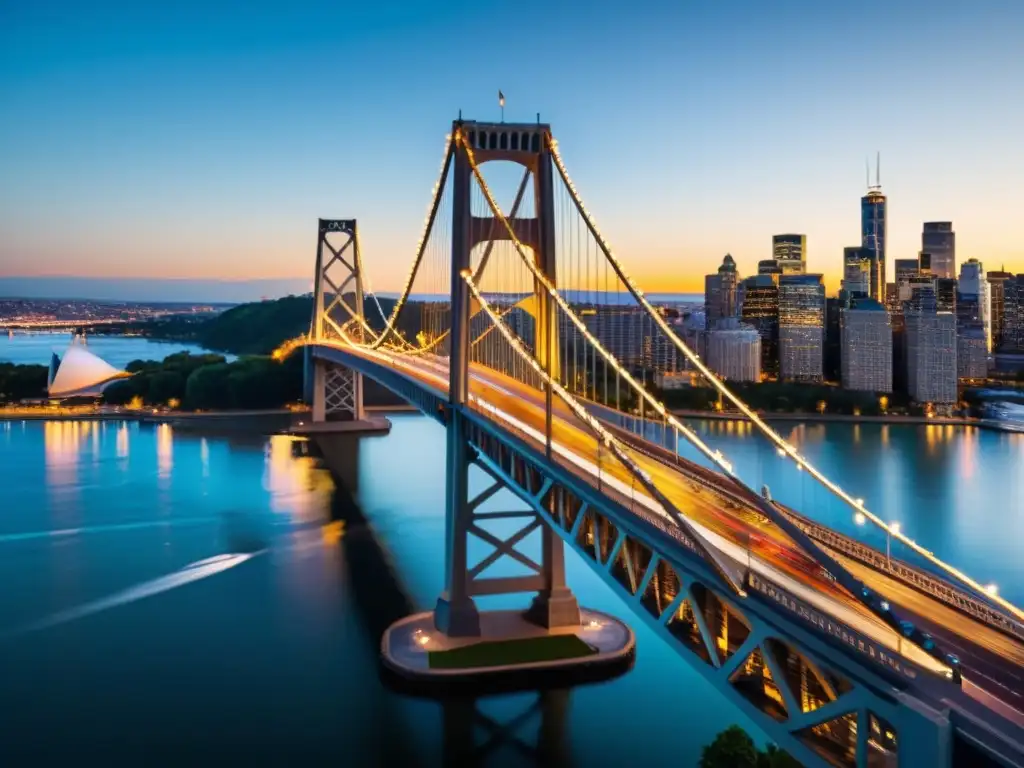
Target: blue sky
{"x":203,"y":140}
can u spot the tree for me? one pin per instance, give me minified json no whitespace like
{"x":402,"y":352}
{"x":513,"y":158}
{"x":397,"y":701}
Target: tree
{"x":732,"y":748}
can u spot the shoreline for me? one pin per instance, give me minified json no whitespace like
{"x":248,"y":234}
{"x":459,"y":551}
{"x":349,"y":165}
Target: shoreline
{"x":184,"y":418}
{"x":179,"y":417}
{"x":847,"y":418}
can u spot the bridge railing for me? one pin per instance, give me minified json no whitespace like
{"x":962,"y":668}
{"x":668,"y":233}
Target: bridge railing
{"x":918,"y":578}
{"x":851,"y":547}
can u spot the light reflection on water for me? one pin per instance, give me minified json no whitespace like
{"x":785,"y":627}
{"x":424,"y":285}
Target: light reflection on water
{"x":282,"y":646}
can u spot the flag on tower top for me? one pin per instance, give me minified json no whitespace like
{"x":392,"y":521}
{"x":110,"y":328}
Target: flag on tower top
{"x":501,"y":99}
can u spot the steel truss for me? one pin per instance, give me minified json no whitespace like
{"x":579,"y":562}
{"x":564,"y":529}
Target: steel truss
{"x":808,"y":698}
{"x":337,"y":313}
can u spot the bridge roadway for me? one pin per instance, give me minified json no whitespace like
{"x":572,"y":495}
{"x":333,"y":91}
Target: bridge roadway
{"x":992,"y":662}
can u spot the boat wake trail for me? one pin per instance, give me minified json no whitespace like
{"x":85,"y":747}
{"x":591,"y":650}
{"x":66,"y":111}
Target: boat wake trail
{"x":200,"y":569}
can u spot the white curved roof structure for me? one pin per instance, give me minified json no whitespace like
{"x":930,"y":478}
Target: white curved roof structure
{"x":80,"y":373}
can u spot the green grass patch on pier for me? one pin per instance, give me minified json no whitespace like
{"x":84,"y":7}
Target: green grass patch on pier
{"x":496,"y":653}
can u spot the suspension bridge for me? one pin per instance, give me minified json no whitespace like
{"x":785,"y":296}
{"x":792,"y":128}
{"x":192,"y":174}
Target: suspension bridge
{"x":521,"y":332}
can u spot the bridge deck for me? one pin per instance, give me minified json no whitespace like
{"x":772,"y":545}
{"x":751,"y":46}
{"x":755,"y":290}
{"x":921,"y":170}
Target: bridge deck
{"x":994,"y":660}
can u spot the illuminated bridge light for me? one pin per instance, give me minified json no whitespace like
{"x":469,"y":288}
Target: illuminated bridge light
{"x":992,"y":589}
{"x":859,"y":518}
{"x":895,"y":528}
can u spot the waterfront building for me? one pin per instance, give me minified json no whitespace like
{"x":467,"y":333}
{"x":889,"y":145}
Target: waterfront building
{"x":720,"y":292}
{"x":627,"y":333}
{"x":734,"y":351}
{"x":801,"y":327}
{"x":759,"y":309}
{"x":939,"y":240}
{"x":1013,"y":314}
{"x":873,"y":237}
{"x":973,"y":304}
{"x":866,"y":355}
{"x":833,"y":335}
{"x":971,"y":352}
{"x":857,"y":270}
{"x":80,"y":373}
{"x":790,"y":253}
{"x":931,"y":357}
{"x":997,"y":297}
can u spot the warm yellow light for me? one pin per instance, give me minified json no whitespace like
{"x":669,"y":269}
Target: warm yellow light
{"x":895,"y":528}
{"x":992,"y":589}
{"x":859,"y":518}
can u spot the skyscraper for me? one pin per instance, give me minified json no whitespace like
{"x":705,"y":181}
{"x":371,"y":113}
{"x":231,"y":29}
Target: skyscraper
{"x":801,"y":327}
{"x":857,"y":271}
{"x":939,"y":240}
{"x":997,"y":292}
{"x":734,"y":351}
{"x":720,"y":292}
{"x":759,"y":308}
{"x":924,"y":263}
{"x":973,"y":305}
{"x":920,"y":295}
{"x":790,"y":251}
{"x":931,"y":357}
{"x":866,"y":357}
{"x":872,"y":229}
{"x":971,"y":354}
{"x":1013,"y":314}
{"x":906,"y":269}
{"x":945,"y":294}
{"x":768,"y":267}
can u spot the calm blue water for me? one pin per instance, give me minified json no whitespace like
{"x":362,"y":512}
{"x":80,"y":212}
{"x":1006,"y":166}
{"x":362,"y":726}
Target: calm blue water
{"x":36,"y":348}
{"x":271,"y":659}
{"x":958,"y":492}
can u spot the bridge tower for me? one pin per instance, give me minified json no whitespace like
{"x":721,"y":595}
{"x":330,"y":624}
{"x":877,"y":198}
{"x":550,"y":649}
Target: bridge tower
{"x":336,"y":391}
{"x":526,"y":144}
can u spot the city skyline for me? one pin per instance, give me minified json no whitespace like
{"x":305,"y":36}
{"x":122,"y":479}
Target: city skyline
{"x":202,"y":144}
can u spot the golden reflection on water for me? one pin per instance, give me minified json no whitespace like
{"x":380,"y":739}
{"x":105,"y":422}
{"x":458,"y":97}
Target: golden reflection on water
{"x":164,"y":451}
{"x":969,"y":452}
{"x":290,"y":480}
{"x":122,"y":440}
{"x":62,"y":442}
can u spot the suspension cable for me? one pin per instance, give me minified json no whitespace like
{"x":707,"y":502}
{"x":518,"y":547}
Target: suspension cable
{"x":854,"y":586}
{"x":605,"y":437}
{"x":784,"y":447}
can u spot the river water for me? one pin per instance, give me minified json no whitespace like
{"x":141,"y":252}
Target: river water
{"x":117,"y":645}
{"x":178,"y":594}
{"x":35,"y":348}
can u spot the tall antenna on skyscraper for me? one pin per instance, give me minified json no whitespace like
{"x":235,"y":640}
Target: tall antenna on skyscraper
{"x":867,"y":173}
{"x":878,"y":170}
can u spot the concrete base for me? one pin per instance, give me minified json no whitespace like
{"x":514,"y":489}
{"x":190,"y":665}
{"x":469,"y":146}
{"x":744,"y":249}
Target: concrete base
{"x":406,"y":644}
{"x":367,"y":426}
{"x":457,"y":619}
{"x":557,"y":609}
